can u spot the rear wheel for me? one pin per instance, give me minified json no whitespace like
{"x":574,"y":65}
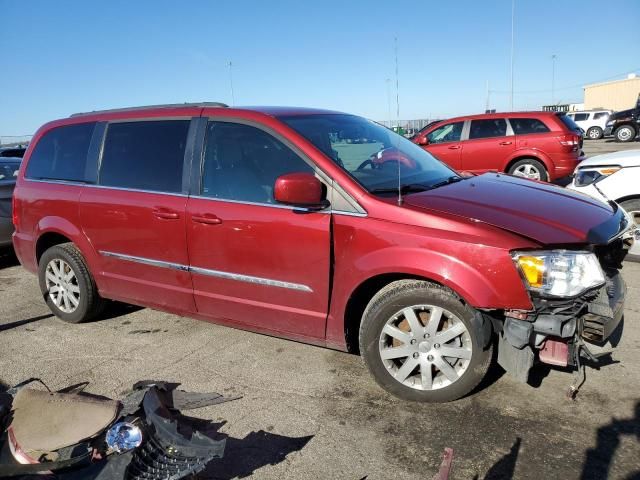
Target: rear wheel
{"x":632,"y":207}
{"x":67,"y":285}
{"x":529,"y":168}
{"x":625,"y":133}
{"x":595,"y":133}
{"x":420,"y":342}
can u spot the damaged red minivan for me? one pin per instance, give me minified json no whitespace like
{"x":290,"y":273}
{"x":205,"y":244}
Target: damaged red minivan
{"x":321,"y":227}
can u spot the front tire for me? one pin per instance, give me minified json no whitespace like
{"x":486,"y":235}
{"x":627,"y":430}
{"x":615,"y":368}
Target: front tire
{"x":67,"y":285}
{"x":420,"y":342}
{"x":595,"y":133}
{"x":529,"y":168}
{"x":625,"y":133}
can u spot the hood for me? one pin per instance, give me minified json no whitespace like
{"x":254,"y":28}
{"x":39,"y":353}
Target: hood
{"x":542,"y":212}
{"x":624,"y":158}
{"x":623,"y":114}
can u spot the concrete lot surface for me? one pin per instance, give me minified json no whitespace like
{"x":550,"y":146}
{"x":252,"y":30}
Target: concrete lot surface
{"x":312,"y":413}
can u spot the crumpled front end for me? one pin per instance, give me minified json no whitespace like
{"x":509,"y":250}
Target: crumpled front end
{"x":567,"y":331}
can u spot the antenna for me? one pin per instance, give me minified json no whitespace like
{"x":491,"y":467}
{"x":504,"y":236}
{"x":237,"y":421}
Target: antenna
{"x":398,"y":119}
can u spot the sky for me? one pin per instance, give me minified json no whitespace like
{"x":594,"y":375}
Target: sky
{"x":63,"y":56}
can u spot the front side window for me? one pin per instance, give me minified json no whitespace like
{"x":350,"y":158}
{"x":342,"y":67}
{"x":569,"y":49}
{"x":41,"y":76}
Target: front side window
{"x":147,"y":155}
{"x":61,"y":154}
{"x":242,"y":163}
{"x":450,"y":132}
{"x":487,"y":128}
{"x":373,"y":155}
{"x":524,"y":126}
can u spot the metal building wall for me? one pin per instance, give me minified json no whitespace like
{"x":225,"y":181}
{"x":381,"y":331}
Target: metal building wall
{"x":616,"y":95}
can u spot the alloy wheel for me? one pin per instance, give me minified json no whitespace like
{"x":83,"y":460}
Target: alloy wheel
{"x":527,"y":171}
{"x":62,"y":285}
{"x":635,"y":249}
{"x":425,"y":347}
{"x":594,"y":134}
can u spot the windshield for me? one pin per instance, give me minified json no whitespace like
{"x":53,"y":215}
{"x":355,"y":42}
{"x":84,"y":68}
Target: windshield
{"x":372,"y":154}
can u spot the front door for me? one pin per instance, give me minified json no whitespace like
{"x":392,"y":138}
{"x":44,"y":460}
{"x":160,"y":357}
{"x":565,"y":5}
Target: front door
{"x":135,"y":218}
{"x":254,"y":262}
{"x":444,"y":143}
{"x":490,"y":145}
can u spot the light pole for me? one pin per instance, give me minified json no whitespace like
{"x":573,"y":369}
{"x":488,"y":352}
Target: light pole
{"x":553,"y":79}
{"x":397,"y":86}
{"x":513,"y":15}
{"x":233,"y":100}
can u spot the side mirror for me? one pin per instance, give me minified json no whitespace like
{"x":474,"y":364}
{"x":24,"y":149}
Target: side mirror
{"x":300,"y":190}
{"x":423,"y":140}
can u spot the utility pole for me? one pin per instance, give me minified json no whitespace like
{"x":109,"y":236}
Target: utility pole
{"x":233,"y":100}
{"x":488,"y":98}
{"x":388,"y":82}
{"x":513,"y":15}
{"x":397,"y":85}
{"x":553,"y":79}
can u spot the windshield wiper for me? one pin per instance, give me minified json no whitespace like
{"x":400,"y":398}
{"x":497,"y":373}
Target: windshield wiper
{"x":451,"y":179}
{"x":407,"y":188}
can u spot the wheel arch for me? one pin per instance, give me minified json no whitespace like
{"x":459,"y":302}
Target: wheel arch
{"x":530,"y":154}
{"x":628,"y":197}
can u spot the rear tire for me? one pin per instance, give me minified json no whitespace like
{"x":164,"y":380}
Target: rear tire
{"x":595,"y":133}
{"x":625,"y":133}
{"x":529,"y":168}
{"x":406,"y":330}
{"x":632,"y":207}
{"x":67,"y":285}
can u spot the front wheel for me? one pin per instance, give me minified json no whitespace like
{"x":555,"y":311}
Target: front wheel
{"x":625,"y":133}
{"x":529,"y":168}
{"x":67,"y":285}
{"x":420,"y":342}
{"x":595,"y":133}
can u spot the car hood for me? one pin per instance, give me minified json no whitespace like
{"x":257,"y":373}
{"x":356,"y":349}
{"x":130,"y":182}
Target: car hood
{"x":542,"y":212}
{"x":624,"y":158}
{"x":622,"y":114}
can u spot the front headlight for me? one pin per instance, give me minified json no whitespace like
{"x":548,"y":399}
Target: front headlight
{"x":588,"y":175}
{"x":559,"y":273}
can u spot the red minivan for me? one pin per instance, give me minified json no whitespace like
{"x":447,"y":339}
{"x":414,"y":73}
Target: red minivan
{"x":321,"y":227}
{"x":538,"y":145}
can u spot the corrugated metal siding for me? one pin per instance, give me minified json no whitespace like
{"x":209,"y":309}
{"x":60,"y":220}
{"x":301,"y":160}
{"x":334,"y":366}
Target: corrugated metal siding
{"x":618,"y":95}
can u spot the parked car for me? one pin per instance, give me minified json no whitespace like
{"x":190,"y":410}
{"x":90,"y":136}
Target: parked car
{"x":593,"y":122}
{"x":613,"y":176}
{"x":266,"y":219}
{"x":8,"y":174}
{"x":14,"y":152}
{"x":538,"y":145}
{"x":624,"y":125}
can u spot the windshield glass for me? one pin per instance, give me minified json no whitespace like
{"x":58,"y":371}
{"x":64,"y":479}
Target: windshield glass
{"x":372,"y":154}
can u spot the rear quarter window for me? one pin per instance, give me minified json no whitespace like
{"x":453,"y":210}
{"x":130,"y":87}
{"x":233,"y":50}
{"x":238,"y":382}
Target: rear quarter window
{"x":569,"y":123}
{"x":524,"y":126}
{"x":61,"y":154}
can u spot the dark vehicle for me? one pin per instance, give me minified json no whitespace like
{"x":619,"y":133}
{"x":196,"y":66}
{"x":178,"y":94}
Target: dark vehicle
{"x":8,"y":172}
{"x":624,"y":125}
{"x":16,"y":152}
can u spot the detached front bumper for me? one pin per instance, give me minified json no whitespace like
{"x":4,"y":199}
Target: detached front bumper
{"x":558,"y":327}
{"x":608,"y":131}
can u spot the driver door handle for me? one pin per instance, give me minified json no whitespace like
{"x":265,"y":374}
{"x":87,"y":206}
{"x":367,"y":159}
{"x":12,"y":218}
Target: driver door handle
{"x":454,"y":147}
{"x":505,"y":143}
{"x":207,"y":219}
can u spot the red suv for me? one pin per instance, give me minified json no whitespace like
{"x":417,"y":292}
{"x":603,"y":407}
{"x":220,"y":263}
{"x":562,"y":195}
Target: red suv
{"x":539,"y":145}
{"x":321,"y":227}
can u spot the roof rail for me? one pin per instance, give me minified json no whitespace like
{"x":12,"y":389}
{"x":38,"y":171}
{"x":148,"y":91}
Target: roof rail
{"x":147,"y":107}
